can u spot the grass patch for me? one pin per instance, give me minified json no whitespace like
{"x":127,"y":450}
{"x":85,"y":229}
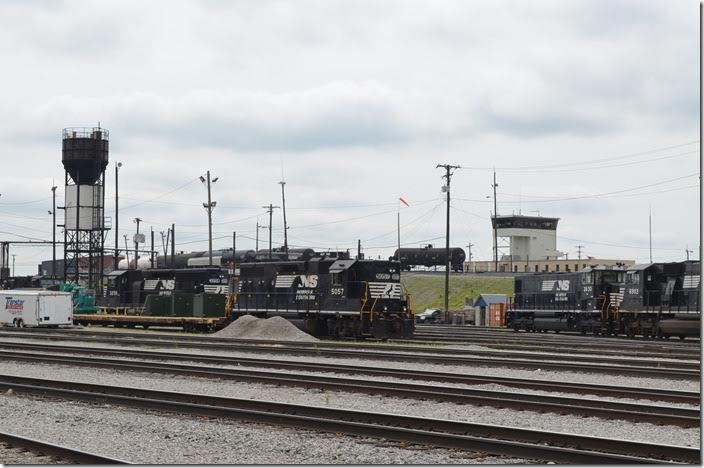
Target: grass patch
{"x":428,"y":291}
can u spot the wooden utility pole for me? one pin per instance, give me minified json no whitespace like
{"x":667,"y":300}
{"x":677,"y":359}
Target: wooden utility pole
{"x":496,"y":238}
{"x":136,"y":244}
{"x":270,"y":210}
{"x":448,"y":175}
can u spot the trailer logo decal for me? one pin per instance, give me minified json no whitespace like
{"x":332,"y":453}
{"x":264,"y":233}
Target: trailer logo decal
{"x":13,"y":304}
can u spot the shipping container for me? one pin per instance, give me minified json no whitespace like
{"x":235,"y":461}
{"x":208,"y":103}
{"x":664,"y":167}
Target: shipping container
{"x":35,"y":308}
{"x":497,"y":315}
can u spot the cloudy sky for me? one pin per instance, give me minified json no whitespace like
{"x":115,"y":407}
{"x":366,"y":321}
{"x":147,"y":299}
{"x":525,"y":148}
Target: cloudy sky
{"x":588,"y":110}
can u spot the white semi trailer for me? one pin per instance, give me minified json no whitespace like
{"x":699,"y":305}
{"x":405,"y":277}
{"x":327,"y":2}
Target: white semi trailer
{"x":20,"y":308}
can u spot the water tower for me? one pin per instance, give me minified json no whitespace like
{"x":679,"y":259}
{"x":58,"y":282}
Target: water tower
{"x":85,"y":157}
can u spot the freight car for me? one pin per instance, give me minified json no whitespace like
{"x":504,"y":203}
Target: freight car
{"x":653,"y":300}
{"x":192,"y":298}
{"x":429,"y":256}
{"x":328,"y":297}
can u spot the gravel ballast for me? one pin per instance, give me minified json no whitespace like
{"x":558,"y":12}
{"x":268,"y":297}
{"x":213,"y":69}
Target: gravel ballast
{"x":538,"y":374}
{"x":590,"y":426}
{"x":146,"y":437}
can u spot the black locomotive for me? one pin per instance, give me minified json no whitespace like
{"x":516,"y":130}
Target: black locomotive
{"x":655,"y":300}
{"x":429,"y":256}
{"x":131,"y":288}
{"x":328,"y":297}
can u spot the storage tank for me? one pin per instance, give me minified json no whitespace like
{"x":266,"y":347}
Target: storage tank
{"x":84,"y":156}
{"x":429,"y":256}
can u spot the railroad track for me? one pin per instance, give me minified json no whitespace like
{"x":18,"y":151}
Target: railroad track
{"x":455,"y":331}
{"x":499,"y":440}
{"x":56,"y":451}
{"x":620,"y":366}
{"x":646,"y":351}
{"x":661,"y":415}
{"x":82,"y":353}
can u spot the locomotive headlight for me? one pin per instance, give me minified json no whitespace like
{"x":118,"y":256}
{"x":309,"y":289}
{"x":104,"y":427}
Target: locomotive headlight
{"x":385,"y":308}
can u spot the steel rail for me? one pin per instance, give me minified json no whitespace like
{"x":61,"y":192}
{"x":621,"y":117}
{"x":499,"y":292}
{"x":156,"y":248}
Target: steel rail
{"x":683,"y":370}
{"x":494,"y":331}
{"x":58,"y":451}
{"x":499,"y":440}
{"x":420,"y":346}
{"x":423,"y":335}
{"x":683,"y":417}
{"x":676,"y":396}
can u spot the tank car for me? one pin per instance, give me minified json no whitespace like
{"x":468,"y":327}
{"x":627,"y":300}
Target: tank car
{"x":429,"y":256}
{"x":328,"y":296}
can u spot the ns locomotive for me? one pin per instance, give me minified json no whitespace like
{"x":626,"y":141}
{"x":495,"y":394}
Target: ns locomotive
{"x":328,"y":297}
{"x":652,"y":300}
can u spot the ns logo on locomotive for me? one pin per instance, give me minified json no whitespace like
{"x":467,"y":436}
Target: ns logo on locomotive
{"x":652,"y":300}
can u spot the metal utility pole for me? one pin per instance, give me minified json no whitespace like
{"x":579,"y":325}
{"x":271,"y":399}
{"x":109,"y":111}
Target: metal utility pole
{"x":173,"y":245}
{"x":579,"y":251}
{"x":270,"y":209}
{"x":234,"y":247}
{"x":151,"y":254}
{"x":650,"y":233}
{"x":496,"y":238}
{"x":209,"y":208}
{"x":136,"y":244}
{"x":127,"y":252}
{"x":448,"y":175}
{"x":398,"y":233}
{"x":118,"y":165}
{"x":53,"y":232}
{"x":359,"y":249}
{"x":283,"y":204}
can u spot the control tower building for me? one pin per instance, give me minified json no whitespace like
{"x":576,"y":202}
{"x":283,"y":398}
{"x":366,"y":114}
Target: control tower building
{"x":529,"y":237}
{"x":84,"y":157}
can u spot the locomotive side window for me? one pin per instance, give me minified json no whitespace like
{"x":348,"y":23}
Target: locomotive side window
{"x":587,"y":278}
{"x":335,"y":278}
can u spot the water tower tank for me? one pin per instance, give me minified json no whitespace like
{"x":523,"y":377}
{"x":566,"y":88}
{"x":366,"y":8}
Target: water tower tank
{"x":85,"y":153}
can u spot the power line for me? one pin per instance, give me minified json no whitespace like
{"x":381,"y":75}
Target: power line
{"x":162,"y":195}
{"x":585,"y":162}
{"x":594,"y":195}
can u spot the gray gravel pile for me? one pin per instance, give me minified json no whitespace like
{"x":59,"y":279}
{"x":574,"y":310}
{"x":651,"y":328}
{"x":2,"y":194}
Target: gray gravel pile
{"x":273,"y":328}
{"x":379,"y":404}
{"x":146,"y":437}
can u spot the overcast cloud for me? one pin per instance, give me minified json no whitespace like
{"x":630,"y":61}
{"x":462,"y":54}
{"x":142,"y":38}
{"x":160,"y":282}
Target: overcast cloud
{"x":358,"y":101}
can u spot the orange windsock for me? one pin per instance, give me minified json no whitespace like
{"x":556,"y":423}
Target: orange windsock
{"x":403,"y":201}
